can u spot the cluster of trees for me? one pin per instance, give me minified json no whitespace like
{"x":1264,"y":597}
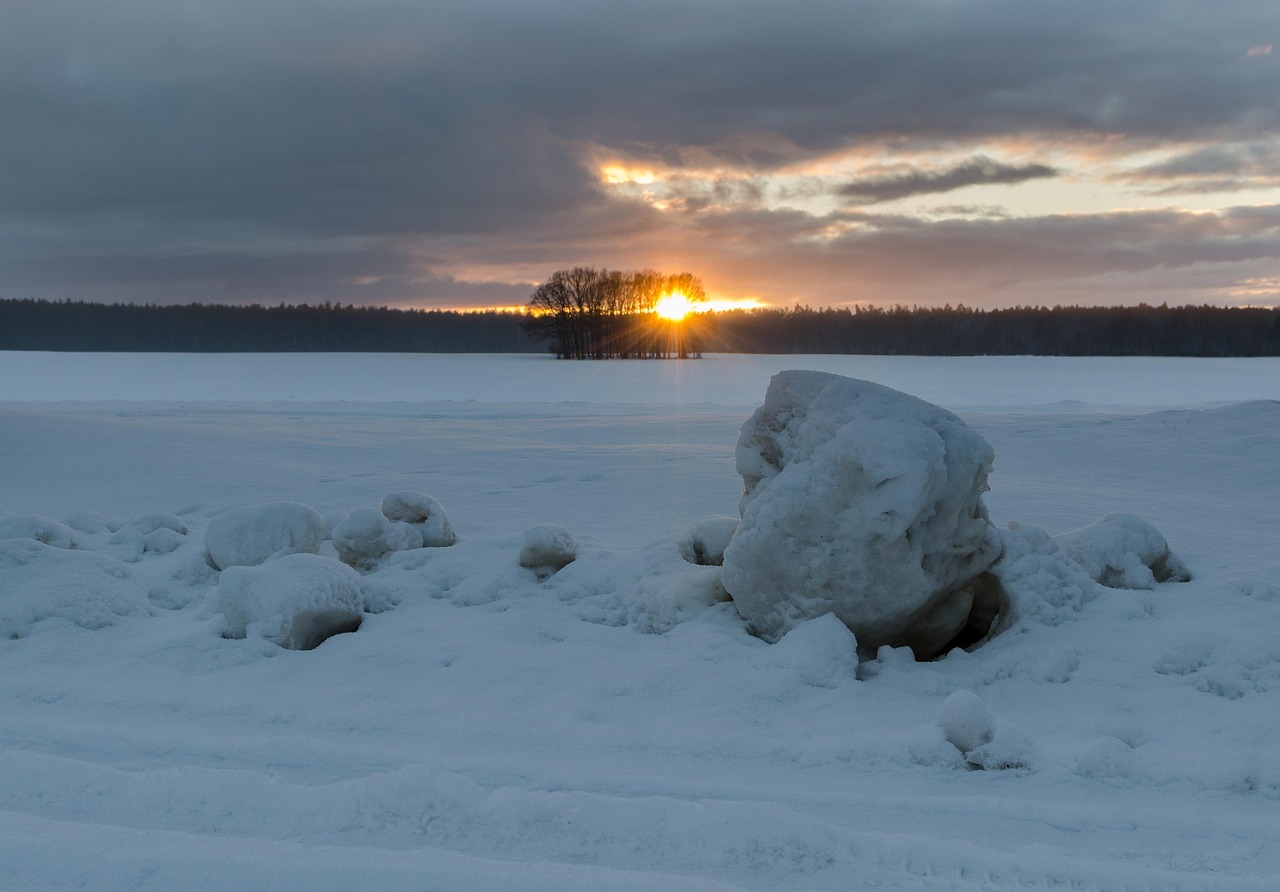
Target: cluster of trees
{"x":589,"y":313}
{"x":1143,"y":330}
{"x":287,"y":328}
{"x":599,"y":314}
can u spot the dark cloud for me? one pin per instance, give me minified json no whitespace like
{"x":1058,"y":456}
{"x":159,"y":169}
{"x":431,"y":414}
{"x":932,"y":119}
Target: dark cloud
{"x":977,"y":171}
{"x":290,"y":148}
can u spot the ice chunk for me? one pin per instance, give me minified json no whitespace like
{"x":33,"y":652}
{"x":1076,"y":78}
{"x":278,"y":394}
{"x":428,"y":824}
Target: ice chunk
{"x":42,"y":529}
{"x":40,"y":582}
{"x":706,"y":542}
{"x":253,"y":534}
{"x":548,"y":547}
{"x":365,"y":537}
{"x":423,"y":512}
{"x":860,"y":501}
{"x":1123,"y":551}
{"x":296,"y":601}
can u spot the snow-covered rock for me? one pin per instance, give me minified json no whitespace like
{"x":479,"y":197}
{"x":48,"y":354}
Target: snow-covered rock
{"x":548,"y":547}
{"x":296,"y":601}
{"x":366,"y":536}
{"x":42,"y":529}
{"x":253,"y":534}
{"x":861,"y":501}
{"x":40,"y":582}
{"x":705,"y":543}
{"x":423,"y":512}
{"x":1123,"y":551}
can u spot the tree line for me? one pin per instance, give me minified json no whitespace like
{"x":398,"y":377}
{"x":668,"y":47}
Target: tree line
{"x":1142,"y":330}
{"x":589,"y":313}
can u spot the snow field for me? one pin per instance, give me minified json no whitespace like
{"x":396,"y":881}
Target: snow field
{"x":612,"y":725}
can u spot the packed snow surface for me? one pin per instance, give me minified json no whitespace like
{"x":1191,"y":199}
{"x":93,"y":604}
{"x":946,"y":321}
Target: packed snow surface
{"x":613,"y":725}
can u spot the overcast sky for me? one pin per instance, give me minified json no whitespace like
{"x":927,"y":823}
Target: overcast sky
{"x":420,"y":153}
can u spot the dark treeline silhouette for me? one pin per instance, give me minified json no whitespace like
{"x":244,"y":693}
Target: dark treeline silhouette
{"x":589,"y":313}
{"x":1143,"y":330}
{"x":214,"y":328}
{"x":948,"y":331}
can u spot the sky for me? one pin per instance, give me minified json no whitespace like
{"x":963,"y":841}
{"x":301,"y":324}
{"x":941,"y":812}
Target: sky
{"x":427,"y":154}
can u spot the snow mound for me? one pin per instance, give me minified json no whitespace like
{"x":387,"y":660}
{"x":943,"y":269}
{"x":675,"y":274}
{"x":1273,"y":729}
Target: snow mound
{"x":423,"y":512}
{"x":861,"y":501}
{"x":365,"y":537}
{"x":42,"y":529}
{"x":1123,"y":551}
{"x":91,"y":522}
{"x":984,"y":740}
{"x":548,"y":548}
{"x":822,"y":652}
{"x":1036,"y":580}
{"x":253,"y":534}
{"x":157,"y":533}
{"x":296,"y":601}
{"x":705,"y":543}
{"x":40,"y":582}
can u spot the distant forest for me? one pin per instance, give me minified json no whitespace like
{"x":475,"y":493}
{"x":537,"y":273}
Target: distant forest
{"x":948,"y":331}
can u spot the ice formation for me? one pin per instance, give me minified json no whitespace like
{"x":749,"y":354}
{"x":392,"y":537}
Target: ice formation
{"x":864,"y":502}
{"x":296,"y":601}
{"x":1123,"y":551}
{"x":423,"y":512}
{"x":253,"y":534}
{"x":365,"y":537}
{"x":548,"y":547}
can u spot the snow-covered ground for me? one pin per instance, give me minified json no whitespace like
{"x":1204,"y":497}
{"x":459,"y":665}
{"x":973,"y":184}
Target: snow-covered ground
{"x":602,"y":728}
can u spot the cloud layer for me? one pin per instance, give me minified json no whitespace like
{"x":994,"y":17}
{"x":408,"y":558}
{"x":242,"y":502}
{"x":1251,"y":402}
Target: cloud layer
{"x":449,"y":154}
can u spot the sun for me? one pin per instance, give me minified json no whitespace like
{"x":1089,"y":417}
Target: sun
{"x":674,"y":306}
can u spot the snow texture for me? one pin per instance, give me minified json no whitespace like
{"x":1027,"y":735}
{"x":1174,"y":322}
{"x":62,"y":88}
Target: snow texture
{"x":296,"y":601}
{"x":548,"y":547}
{"x":365,"y":537}
{"x":253,"y":534}
{"x":860,"y":501}
{"x":423,"y":512}
{"x":1123,"y":551}
{"x":41,"y":582}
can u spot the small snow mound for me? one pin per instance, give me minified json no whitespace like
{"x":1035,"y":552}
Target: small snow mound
{"x":296,"y":601}
{"x":366,"y":536}
{"x":1107,"y":759}
{"x":861,"y":501}
{"x":1037,"y":582}
{"x":548,"y":547}
{"x":158,"y":520}
{"x":254,"y":534}
{"x":40,"y":582}
{"x":967,"y":721}
{"x":705,"y":543}
{"x":423,"y":512}
{"x":91,"y":522}
{"x":1123,"y":551}
{"x":42,"y":529}
{"x":822,"y":652}
{"x":984,"y":740}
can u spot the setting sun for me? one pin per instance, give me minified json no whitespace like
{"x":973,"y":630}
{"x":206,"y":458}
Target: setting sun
{"x":674,"y":306}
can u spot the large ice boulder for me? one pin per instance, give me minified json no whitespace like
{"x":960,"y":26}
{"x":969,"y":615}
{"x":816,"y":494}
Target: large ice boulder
{"x":365,"y":536}
{"x":296,"y":601}
{"x":41,"y":582}
{"x":864,"y":502}
{"x":423,"y":512}
{"x":254,"y":534}
{"x":1123,"y":551}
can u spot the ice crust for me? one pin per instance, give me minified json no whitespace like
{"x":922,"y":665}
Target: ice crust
{"x":861,"y":501}
{"x":253,"y":534}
